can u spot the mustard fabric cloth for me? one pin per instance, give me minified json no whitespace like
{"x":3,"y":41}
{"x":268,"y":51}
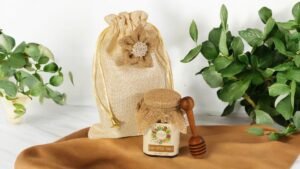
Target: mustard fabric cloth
{"x":229,"y":147}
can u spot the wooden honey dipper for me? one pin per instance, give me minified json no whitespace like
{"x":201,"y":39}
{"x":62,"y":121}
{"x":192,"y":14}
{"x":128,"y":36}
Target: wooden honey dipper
{"x":197,"y":144}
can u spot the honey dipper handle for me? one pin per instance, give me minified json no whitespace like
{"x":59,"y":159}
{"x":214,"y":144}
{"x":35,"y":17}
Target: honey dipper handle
{"x":187,"y":104}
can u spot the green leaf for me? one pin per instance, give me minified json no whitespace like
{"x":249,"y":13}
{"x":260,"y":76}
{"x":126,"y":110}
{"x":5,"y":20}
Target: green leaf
{"x":5,"y":71}
{"x":2,"y":56}
{"x":223,"y":43}
{"x":29,"y":67}
{"x":233,"y":69}
{"x":209,"y":50}
{"x":35,"y":51}
{"x":244,"y":59}
{"x":266,"y":104}
{"x":192,"y":54}
{"x":224,"y":16}
{"x":269,"y":27}
{"x":296,"y":119}
{"x":283,"y":66}
{"x":214,"y":36}
{"x":198,"y":73}
{"x":56,"y":80}
{"x":264,"y":14}
{"x":17,"y":60}
{"x":7,"y":43}
{"x":254,"y":37}
{"x":37,"y":66}
{"x":268,"y":72}
{"x":18,"y":76}
{"x":264,"y":57}
{"x":262,"y":117}
{"x":11,"y":98}
{"x":212,"y":77}
{"x":19,"y":109}
{"x":256,"y":78}
{"x":233,"y":91}
{"x":9,"y":88}
{"x":290,"y":129}
{"x":43,"y":60}
{"x":289,"y":25}
{"x":293,"y":36}
{"x":297,"y":60}
{"x":296,"y":12}
{"x":19,"y":113}
{"x":284,"y":107}
{"x":29,"y":80}
{"x":278,"y":89}
{"x":280,"y":98}
{"x":279,"y":45}
{"x":292,"y":46}
{"x":237,"y":46}
{"x":256,"y":131}
{"x":20,"y":48}
{"x":228,"y":109}
{"x":293,"y":74}
{"x":71,"y":78}
{"x":275,"y":136}
{"x":32,"y":50}
{"x":222,"y":62}
{"x":194,"y":31}
{"x":58,"y":98}
{"x":51,"y":67}
{"x":38,"y":76}
{"x":44,"y":51}
{"x":19,"y":106}
{"x":37,"y":89}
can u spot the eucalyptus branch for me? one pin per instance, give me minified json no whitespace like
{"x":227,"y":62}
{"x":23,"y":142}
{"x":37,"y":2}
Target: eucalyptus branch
{"x":270,"y":64}
{"x":23,"y":62}
{"x":264,"y":65}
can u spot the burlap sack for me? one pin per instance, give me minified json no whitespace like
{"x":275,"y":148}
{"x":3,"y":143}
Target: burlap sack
{"x":130,"y":59}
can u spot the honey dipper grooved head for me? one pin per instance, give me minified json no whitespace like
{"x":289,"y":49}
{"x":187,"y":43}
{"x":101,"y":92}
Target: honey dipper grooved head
{"x":197,"y":146}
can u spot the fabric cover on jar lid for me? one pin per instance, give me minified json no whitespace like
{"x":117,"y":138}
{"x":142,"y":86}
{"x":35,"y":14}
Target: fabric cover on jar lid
{"x":160,"y":105}
{"x":162,"y":98}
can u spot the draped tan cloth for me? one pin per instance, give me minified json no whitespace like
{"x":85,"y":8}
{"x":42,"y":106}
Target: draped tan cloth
{"x":229,"y":147}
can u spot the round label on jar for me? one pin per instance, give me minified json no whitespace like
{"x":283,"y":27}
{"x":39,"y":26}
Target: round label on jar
{"x":161,"y":134}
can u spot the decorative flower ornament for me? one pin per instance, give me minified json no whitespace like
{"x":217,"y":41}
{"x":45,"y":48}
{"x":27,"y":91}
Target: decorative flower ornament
{"x":137,"y":48}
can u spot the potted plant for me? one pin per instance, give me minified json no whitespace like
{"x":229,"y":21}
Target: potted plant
{"x":22,"y":76}
{"x":266,"y":79}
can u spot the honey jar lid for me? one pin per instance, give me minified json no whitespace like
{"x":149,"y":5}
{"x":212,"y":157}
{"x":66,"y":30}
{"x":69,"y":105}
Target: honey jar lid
{"x":162,"y":98}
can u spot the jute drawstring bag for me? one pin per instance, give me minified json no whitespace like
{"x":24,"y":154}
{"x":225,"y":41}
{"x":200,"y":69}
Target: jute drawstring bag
{"x":130,"y":59}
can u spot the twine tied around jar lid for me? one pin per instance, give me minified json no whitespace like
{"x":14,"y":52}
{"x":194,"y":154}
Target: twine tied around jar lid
{"x":160,"y":105}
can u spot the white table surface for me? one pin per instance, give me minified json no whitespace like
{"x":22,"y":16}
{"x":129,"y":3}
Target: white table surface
{"x":42,"y":126}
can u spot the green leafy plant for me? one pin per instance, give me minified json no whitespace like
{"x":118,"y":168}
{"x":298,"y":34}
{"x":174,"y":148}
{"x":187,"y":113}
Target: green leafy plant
{"x":266,"y":79}
{"x":22,"y":69}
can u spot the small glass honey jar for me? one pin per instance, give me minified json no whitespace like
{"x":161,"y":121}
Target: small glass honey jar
{"x":160,"y":120}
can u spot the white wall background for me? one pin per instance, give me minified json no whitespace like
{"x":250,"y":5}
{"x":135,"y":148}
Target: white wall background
{"x":70,"y":29}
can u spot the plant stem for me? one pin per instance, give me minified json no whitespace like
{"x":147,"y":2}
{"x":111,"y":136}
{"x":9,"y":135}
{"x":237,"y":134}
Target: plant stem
{"x":249,"y":100}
